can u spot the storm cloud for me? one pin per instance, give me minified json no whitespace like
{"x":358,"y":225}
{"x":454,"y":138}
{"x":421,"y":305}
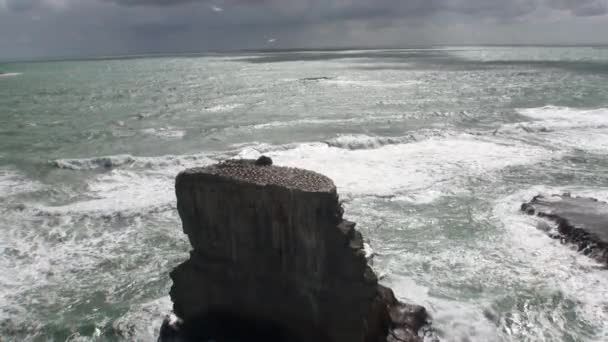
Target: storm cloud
{"x":32,"y":28}
{"x":365,"y":8}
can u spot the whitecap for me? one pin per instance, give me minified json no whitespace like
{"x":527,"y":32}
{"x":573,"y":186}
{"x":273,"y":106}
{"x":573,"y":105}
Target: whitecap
{"x":10,"y":74}
{"x":107,"y":162}
{"x":223,"y":107}
{"x":340,"y":121}
{"x":167,"y":133}
{"x":361,"y":141}
{"x":129,"y":161}
{"x":369,"y":83}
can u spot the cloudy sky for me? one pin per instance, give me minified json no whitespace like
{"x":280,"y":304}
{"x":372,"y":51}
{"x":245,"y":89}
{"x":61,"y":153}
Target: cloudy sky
{"x":54,"y":28}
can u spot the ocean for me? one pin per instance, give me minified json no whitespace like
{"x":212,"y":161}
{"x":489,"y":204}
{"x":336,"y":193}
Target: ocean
{"x":432,"y":150}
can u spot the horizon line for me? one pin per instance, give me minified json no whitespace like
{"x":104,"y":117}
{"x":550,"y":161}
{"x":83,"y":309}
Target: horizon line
{"x":218,"y":52}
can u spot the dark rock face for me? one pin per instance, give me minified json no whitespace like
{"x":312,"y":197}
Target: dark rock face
{"x":581,"y":221}
{"x":274,"y":260}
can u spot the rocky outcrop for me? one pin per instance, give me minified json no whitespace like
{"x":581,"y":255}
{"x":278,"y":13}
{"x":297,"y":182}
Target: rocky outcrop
{"x":274,"y":260}
{"x":579,"y":220}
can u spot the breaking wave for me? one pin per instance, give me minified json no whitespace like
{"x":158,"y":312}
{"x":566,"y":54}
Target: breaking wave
{"x":129,"y":161}
{"x":223,"y":108}
{"x":363,"y":142}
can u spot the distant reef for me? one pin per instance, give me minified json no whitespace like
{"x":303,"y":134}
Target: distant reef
{"x":580,"y":221}
{"x":274,"y":260}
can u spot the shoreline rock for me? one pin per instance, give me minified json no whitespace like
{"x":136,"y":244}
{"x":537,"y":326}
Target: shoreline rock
{"x":273,"y":259}
{"x":580,"y":221}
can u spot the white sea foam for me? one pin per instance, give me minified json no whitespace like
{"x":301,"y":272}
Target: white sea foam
{"x":121,"y":191}
{"x":223,"y":108}
{"x":569,"y":117}
{"x":92,"y":256}
{"x":455,"y":321}
{"x":12,"y":183}
{"x":10,"y":74}
{"x":550,"y":119}
{"x":369,"y":83}
{"x":129,"y":190}
{"x":142,"y":322}
{"x":167,"y":133}
{"x":291,"y":123}
{"x":360,"y":141}
{"x":129,"y":185}
{"x":344,"y":121}
{"x":392,"y":169}
{"x":550,"y":266}
{"x":107,"y":162}
{"x":565,"y":127}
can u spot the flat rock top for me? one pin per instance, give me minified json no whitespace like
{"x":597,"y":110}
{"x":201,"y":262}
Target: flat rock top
{"x":588,"y":214}
{"x":250,"y":171}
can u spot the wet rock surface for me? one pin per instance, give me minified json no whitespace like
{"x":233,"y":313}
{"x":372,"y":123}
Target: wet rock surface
{"x":274,"y":260}
{"x":581,"y":221}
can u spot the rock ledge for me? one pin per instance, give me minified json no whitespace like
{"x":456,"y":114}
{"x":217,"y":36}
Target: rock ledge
{"x":581,"y":221}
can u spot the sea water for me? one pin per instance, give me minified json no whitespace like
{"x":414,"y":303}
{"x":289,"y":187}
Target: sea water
{"x":433,"y":151}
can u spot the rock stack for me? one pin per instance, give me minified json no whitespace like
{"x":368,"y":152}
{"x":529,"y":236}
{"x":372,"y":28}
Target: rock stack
{"x":274,"y":260}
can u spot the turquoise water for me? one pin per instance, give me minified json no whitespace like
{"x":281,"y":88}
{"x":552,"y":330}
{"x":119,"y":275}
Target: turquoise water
{"x":433,"y":151}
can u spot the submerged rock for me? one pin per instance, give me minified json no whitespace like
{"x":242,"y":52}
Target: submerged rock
{"x":581,"y":221}
{"x":274,"y":260}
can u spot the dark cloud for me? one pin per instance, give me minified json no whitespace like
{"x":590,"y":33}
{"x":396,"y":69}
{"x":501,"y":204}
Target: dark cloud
{"x":358,"y":9}
{"x":21,"y":5}
{"x":160,"y":29}
{"x":582,"y":8}
{"x":39,"y":27}
{"x":152,"y":2}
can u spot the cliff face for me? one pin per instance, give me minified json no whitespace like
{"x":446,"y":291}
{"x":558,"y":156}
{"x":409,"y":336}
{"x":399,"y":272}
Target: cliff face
{"x":272,"y":257}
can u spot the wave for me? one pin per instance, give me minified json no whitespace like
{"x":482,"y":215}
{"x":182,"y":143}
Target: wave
{"x":129,"y":161}
{"x":108,"y":162}
{"x":419,"y":167}
{"x":363,"y":142}
{"x":10,"y":74}
{"x":167,"y":133}
{"x":319,"y":122}
{"x":369,"y":83}
{"x":223,"y":108}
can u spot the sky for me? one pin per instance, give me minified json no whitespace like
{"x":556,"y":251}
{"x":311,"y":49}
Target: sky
{"x":31,"y":29}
